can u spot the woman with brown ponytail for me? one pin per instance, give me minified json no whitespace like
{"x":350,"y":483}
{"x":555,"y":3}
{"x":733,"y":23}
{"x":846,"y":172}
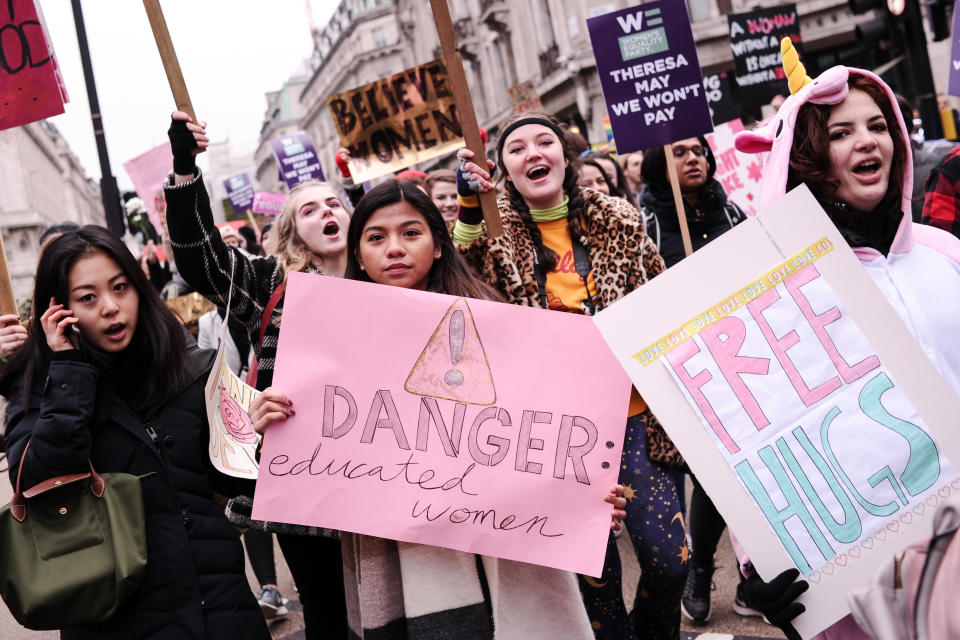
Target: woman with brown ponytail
{"x":573,"y":249}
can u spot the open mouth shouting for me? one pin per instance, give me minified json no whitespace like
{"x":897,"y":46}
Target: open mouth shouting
{"x":331,"y":229}
{"x":538,"y":173}
{"x":868,"y":170}
{"x":116,"y":332}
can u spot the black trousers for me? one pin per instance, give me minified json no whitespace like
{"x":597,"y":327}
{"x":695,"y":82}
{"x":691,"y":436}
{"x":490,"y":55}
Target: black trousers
{"x":317,"y":567}
{"x":260,"y":551}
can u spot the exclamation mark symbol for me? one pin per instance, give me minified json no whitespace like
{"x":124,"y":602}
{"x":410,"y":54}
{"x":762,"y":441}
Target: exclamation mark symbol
{"x":454,"y":377}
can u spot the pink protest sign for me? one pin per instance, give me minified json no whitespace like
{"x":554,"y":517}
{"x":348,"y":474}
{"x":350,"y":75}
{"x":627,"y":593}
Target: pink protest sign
{"x":739,"y":173}
{"x":30,"y":83}
{"x":478,"y":426}
{"x":268,"y":204}
{"x":147,"y":172}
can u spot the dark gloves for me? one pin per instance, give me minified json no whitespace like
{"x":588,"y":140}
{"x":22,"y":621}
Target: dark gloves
{"x":776,"y":599}
{"x":467,"y":189}
{"x":182,"y":144}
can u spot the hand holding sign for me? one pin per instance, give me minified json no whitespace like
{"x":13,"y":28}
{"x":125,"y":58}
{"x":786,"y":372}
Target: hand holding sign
{"x":185,"y":138}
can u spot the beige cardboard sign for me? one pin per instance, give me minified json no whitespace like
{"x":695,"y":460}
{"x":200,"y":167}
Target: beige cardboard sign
{"x":397,"y":121}
{"x":524,"y":97}
{"x":819,"y":427}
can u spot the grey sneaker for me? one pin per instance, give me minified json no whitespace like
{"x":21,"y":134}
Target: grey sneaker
{"x":695,"y":602}
{"x":272,"y":604}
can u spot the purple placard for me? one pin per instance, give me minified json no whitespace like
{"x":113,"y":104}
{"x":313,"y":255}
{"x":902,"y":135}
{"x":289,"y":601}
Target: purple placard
{"x":240,"y":192}
{"x":954,"y":86}
{"x":650,"y":74}
{"x":268,"y":204}
{"x":296,"y":158}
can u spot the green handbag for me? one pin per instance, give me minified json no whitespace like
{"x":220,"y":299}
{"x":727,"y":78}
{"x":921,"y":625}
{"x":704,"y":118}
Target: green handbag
{"x":72,"y":548}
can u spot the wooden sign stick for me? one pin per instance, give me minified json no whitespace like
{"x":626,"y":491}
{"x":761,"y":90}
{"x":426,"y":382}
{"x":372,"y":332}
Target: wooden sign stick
{"x":169,"y":58}
{"x":7,"y":302}
{"x":678,"y":199}
{"x":468,"y":118}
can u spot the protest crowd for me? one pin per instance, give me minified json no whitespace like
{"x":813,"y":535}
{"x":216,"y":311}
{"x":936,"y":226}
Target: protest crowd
{"x":584,"y":225}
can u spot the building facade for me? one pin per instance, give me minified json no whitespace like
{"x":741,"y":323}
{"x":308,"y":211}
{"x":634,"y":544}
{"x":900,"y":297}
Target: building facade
{"x":41,"y":183}
{"x":504,"y":42}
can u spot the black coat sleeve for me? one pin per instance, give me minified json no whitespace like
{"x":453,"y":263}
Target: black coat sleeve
{"x":56,"y":423}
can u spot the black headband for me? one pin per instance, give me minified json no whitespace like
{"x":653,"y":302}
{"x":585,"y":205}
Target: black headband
{"x":525,"y":121}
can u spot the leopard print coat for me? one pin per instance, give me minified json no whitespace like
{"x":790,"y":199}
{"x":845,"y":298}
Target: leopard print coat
{"x":622,"y":255}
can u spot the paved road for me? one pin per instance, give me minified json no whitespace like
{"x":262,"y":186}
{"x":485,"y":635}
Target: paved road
{"x":723,"y":625}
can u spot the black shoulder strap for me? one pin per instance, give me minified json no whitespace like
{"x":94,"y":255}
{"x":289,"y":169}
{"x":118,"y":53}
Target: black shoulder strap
{"x":581,"y":262}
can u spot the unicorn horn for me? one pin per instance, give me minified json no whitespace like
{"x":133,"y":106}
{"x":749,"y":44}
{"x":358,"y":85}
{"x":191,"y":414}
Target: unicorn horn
{"x":797,"y":76}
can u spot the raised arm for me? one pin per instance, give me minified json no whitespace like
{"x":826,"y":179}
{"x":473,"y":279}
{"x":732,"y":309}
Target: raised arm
{"x":202,"y":258}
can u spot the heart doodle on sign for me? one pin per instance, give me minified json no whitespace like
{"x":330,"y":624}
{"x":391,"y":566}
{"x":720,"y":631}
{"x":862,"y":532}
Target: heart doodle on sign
{"x":841,"y":560}
{"x":867,"y":543}
{"x":944,"y":491}
{"x":907,"y":517}
{"x":880,"y":535}
{"x":919,"y":508}
{"x":955,"y":483}
{"x":827,"y":568}
{"x":813,"y":577}
{"x":855,"y":551}
{"x":894,"y":526}
{"x":932,"y":500}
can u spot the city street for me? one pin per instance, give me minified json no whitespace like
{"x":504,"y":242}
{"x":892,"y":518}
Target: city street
{"x":724,"y":623}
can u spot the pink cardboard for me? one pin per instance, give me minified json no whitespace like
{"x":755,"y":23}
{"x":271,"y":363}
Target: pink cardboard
{"x":268,"y":204}
{"x":478,"y":426}
{"x":147,"y":172}
{"x":30,"y":83}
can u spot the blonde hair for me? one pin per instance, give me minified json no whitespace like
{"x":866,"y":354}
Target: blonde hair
{"x":293,"y":253}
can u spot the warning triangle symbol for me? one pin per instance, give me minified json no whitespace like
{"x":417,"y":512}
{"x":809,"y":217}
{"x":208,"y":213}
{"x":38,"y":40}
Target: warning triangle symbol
{"x":453,"y":365}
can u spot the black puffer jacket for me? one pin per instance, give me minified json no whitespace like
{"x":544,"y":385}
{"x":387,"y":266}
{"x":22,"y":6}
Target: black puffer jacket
{"x":195,"y":586}
{"x":713,"y":215}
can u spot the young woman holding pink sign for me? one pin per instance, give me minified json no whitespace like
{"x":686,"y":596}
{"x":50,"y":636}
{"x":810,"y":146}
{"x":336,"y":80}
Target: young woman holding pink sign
{"x":310,"y":235}
{"x":843,"y":136}
{"x":398,"y":237}
{"x":576,"y":250}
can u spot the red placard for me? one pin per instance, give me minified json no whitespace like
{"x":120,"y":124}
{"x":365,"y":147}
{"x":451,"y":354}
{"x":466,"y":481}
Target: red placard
{"x":29,"y":86}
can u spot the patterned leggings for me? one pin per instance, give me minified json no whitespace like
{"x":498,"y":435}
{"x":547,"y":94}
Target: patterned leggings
{"x":655,"y":523}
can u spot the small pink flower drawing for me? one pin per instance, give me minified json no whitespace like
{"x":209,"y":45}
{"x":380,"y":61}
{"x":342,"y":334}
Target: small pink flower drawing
{"x":235,"y":419}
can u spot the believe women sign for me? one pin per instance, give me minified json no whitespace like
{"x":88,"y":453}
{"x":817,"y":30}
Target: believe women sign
{"x":821,"y":430}
{"x":478,"y":426}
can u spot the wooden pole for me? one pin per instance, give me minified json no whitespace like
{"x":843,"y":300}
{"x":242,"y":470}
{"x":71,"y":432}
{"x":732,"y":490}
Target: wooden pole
{"x":678,"y":199}
{"x":169,"y":58}
{"x":253,"y":223}
{"x":7,"y":302}
{"x":468,"y":118}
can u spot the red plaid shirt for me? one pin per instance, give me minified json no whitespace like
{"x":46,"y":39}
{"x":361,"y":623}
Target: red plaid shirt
{"x":941,"y":204}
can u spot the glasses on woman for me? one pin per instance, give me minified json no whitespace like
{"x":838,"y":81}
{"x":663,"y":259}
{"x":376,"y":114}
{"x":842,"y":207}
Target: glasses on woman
{"x":681,"y":151}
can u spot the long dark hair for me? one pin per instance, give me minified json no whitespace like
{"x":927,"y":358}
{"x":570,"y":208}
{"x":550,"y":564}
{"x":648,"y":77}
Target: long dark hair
{"x":612,"y":189}
{"x":810,"y":155}
{"x":148,"y":371}
{"x":621,"y":189}
{"x":449,"y":273}
{"x":547,"y":257}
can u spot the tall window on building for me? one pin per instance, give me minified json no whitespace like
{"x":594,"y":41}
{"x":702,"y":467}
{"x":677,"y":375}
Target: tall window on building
{"x":379,"y":37}
{"x":702,"y":9}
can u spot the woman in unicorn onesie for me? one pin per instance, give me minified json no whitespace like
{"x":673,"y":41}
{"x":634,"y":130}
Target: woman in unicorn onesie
{"x":842,"y":135}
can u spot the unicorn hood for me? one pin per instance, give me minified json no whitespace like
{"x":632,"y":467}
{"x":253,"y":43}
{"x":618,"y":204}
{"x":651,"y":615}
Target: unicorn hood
{"x":774,"y":138}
